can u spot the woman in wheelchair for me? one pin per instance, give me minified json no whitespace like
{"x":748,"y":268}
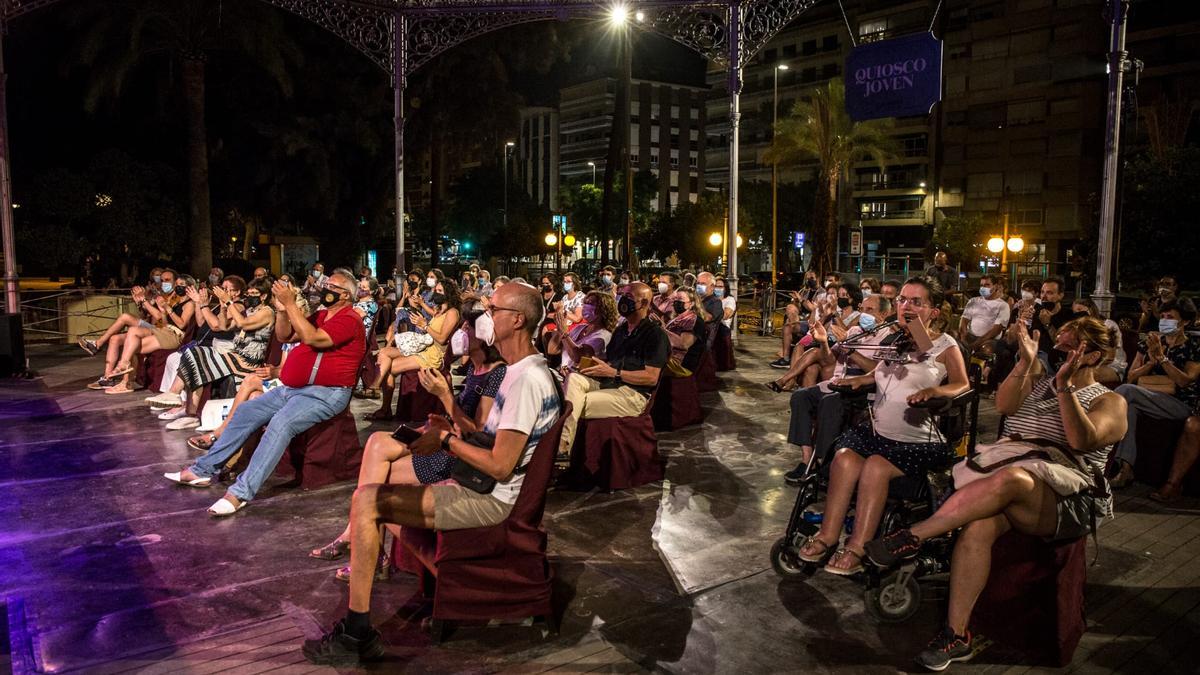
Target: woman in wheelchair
{"x":1044,"y":477}
{"x":899,"y":440}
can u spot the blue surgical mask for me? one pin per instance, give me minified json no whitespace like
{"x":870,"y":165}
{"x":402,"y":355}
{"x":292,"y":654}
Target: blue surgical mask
{"x":866,"y":292}
{"x":985,"y":291}
{"x":1168,"y":326}
{"x":168,"y":287}
{"x":866,"y":321}
{"x":719,"y":292}
{"x":568,"y":287}
{"x":701,"y":289}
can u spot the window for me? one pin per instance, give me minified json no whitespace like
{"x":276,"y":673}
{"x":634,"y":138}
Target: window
{"x":654,"y":160}
{"x":789,"y":51}
{"x":980,"y":117}
{"x":1035,"y":146}
{"x":693,"y":161}
{"x":693,"y":184}
{"x":983,"y":150}
{"x":830,"y":43}
{"x":674,"y":162}
{"x":1064,"y":106}
{"x":914,"y":146}
{"x":985,"y":184}
{"x":769,"y":56}
{"x":830,"y":70}
{"x":1026,"y":217}
{"x":872,"y":27}
{"x":1026,"y":112}
{"x":956,"y":118}
{"x":633,"y":158}
{"x":990,"y":49}
{"x":1024,"y":182}
{"x":808,"y":75}
{"x":962,"y":51}
{"x":994,"y":10}
{"x":1035,"y":73}
{"x":993,"y":78}
{"x":809,"y":47}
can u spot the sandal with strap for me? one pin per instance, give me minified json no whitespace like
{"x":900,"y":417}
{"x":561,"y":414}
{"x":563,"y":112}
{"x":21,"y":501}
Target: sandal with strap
{"x":1168,"y":493}
{"x":849,"y":571}
{"x":820,"y":558}
{"x":334,"y":550}
{"x":383,"y":570}
{"x":202,"y":442}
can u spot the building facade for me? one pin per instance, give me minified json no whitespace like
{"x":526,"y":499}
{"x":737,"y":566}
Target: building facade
{"x":537,"y":155}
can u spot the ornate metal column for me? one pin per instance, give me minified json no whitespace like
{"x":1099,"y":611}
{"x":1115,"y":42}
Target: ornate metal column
{"x":399,"y":81}
{"x":1118,"y":11}
{"x":734,"y":23}
{"x":12,"y":295}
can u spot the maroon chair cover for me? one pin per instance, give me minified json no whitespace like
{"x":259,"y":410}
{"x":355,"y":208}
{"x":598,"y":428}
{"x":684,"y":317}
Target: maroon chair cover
{"x":327,"y":453}
{"x":723,"y":350}
{"x":413,"y":403}
{"x":616,"y":453}
{"x":676,"y":403}
{"x":274,"y":351}
{"x":1156,"y":440}
{"x":706,"y":373}
{"x":497,"y":572}
{"x":1033,"y":600}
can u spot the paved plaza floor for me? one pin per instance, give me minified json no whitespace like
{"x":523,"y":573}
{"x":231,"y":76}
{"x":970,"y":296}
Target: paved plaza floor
{"x":108,"y":568}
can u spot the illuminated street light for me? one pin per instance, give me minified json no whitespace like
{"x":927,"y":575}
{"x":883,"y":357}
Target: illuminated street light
{"x":568,"y":240}
{"x":619,"y":15}
{"x":995,"y":244}
{"x":551,"y":239}
{"x":782,"y":66}
{"x":921,"y":185}
{"x":715,"y":239}
{"x":640,"y":16}
{"x":1016,"y":244}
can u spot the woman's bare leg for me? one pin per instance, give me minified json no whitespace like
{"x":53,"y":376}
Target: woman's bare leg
{"x":877,"y":473}
{"x":115,"y":346}
{"x":1012,"y":491}
{"x":124,"y":321}
{"x":377,"y":466}
{"x":800,"y":361}
{"x":1187,"y":450}
{"x":843,"y":477}
{"x":970,"y":565}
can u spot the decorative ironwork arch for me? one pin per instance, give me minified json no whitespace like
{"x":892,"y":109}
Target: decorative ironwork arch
{"x":400,"y":36}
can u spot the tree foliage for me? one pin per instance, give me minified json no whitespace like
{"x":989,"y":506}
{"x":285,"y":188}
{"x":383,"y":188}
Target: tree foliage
{"x":961,"y":238}
{"x":822,"y":129}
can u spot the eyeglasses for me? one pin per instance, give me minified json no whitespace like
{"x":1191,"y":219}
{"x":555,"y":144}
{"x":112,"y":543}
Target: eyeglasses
{"x":915,"y":302}
{"x":496,"y":308}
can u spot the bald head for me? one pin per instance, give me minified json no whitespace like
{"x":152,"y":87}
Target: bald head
{"x":640,"y":291}
{"x":523,"y":299}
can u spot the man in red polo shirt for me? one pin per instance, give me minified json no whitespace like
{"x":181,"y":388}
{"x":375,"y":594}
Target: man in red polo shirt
{"x":317,"y":378}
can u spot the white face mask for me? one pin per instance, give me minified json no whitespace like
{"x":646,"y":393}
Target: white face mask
{"x":866,"y":292}
{"x":431,"y":282}
{"x":485,"y":329}
{"x":663,"y":288}
{"x":459,"y":342}
{"x":1027,"y":295}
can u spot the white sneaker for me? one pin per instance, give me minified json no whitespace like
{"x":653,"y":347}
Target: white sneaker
{"x":173,"y":414}
{"x":184,"y":423}
{"x":166,"y":398}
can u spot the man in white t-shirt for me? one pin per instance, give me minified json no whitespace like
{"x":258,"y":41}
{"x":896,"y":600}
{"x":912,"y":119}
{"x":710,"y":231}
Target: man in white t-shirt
{"x":986,"y":315}
{"x":526,"y":408}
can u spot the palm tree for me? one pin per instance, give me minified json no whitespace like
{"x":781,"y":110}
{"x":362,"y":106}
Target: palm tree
{"x":822,"y":129}
{"x":126,"y":38}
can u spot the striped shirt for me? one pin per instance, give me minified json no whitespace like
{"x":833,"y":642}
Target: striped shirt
{"x":1039,"y":417}
{"x":528,"y":402}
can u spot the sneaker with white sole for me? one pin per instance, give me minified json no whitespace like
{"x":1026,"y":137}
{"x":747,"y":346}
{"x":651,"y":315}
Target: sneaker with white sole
{"x":173,"y":414}
{"x":184,"y":423}
{"x":165,"y":398}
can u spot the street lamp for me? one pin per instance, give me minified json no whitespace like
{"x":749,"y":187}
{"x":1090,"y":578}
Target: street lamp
{"x":593,"y":165}
{"x":618,"y":16}
{"x":508,"y":146}
{"x":551,"y":239}
{"x":775,"y":177}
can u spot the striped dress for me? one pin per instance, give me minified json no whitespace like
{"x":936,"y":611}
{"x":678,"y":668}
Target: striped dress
{"x":199,"y":366}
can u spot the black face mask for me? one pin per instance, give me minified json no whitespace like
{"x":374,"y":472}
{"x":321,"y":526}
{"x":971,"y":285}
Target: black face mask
{"x":843,"y":303}
{"x":1048,"y":305}
{"x":252,"y":301}
{"x":437,"y":299}
{"x":810,"y":283}
{"x":547,"y":288}
{"x":678,"y":307}
{"x":329,"y":298}
{"x":626,"y":305}
{"x":181,"y":291}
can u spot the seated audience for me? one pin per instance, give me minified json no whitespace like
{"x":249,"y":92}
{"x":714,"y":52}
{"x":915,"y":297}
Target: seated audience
{"x":621,"y":384}
{"x":443,"y":306}
{"x":1162,"y":382}
{"x":1167,"y":290}
{"x":687,"y":331}
{"x":803,"y":303}
{"x":868,"y":286}
{"x":890,"y":290}
{"x":1057,"y":494}
{"x":526,"y":408}
{"x":167,"y":316}
{"x":817,"y":402}
{"x":387,"y":460}
{"x":664,"y":297}
{"x":728,"y":302}
{"x":817,"y":363}
{"x":314,"y":285}
{"x":588,"y":337}
{"x":898,"y":439}
{"x":317,"y":378}
{"x":1187,"y":451}
{"x":985,"y":317}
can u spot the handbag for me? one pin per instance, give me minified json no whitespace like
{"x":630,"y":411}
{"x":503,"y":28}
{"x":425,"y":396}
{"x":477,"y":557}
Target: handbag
{"x":411,"y":342}
{"x":468,"y":476}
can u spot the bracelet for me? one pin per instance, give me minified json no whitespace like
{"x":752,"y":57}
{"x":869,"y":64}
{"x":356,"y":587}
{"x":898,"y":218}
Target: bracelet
{"x":446,"y":443}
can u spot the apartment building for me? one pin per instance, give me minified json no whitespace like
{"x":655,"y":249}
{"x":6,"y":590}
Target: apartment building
{"x":537,"y":155}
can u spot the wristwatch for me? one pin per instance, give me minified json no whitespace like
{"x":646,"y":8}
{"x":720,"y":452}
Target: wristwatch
{"x":617,"y":377}
{"x":1069,"y":389}
{"x":446,"y":442}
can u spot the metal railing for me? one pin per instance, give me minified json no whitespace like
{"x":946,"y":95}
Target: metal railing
{"x":60,"y":316}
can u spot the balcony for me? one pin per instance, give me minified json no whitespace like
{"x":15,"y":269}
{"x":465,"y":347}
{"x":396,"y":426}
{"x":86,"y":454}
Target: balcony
{"x":896,"y":184}
{"x":887,"y":218}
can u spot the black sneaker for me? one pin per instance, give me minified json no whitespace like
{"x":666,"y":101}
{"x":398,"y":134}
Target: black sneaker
{"x":897,"y":547}
{"x":337,"y":647}
{"x":945,"y":649}
{"x":781,"y":363}
{"x":796,"y":475}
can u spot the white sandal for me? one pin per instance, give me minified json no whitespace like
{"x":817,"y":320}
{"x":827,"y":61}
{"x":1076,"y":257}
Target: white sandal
{"x":223,"y":507}
{"x":177,"y":477}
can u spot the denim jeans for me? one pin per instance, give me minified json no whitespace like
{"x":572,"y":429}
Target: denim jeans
{"x":287,"y":412}
{"x":1152,"y":404}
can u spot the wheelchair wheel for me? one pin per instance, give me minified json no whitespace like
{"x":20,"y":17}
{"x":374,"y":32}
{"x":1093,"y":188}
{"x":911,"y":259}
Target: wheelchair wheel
{"x":895,"y":600}
{"x":785,"y":562}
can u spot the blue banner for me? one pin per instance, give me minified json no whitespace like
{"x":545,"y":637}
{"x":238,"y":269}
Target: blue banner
{"x":901,"y":77}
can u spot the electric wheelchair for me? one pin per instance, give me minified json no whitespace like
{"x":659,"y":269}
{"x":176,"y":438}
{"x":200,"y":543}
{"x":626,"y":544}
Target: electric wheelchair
{"x":896,"y":596}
